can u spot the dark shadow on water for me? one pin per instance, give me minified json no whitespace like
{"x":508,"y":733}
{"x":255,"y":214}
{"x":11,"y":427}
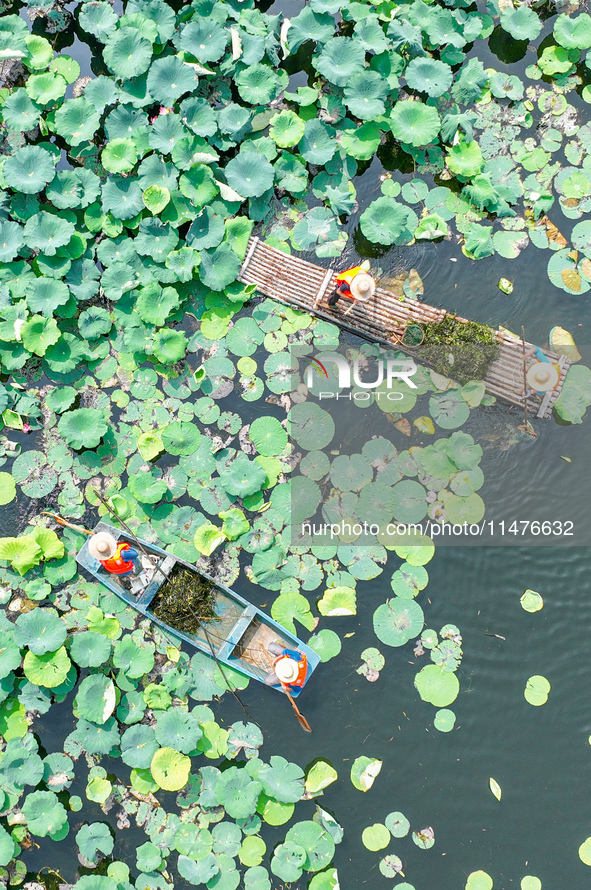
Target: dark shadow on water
{"x":505,"y":47}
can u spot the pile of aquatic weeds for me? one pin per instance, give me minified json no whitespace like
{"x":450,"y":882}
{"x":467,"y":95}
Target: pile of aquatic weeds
{"x":184,"y":600}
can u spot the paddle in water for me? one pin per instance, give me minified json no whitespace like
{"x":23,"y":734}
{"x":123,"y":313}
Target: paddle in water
{"x":300,"y":717}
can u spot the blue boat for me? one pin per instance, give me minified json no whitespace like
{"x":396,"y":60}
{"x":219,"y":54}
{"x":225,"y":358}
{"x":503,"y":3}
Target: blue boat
{"x":241,"y":633}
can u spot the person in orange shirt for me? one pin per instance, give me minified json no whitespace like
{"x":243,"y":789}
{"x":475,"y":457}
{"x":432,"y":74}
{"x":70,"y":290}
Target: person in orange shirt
{"x":354,"y":284}
{"x":117,"y":559}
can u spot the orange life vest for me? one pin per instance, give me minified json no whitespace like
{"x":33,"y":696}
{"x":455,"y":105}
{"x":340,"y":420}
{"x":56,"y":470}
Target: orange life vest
{"x":301,"y":661}
{"x":116,"y":564}
{"x":348,"y":275}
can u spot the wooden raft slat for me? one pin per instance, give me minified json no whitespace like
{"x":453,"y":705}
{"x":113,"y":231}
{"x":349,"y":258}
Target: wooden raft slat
{"x":303,"y":285}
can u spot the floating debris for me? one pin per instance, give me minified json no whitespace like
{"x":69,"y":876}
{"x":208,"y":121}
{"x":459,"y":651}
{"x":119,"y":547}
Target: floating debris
{"x":184,"y":600}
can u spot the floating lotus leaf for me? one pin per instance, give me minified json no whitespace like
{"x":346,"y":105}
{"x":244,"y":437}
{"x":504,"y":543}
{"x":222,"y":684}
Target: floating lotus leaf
{"x":44,"y":814}
{"x":19,"y":112}
{"x":46,"y":233}
{"x":364,"y":771}
{"x":83,"y":427}
{"x":89,"y":649}
{"x":138,"y":746}
{"x":205,"y":39}
{"x":180,"y":438}
{"x":170,"y":769}
{"x":242,"y":476}
{"x":23,"y":552}
{"x":29,"y":169}
{"x":286,"y":128}
{"x":169,"y":78}
{"x":428,"y":76}
{"x":397,"y":621}
{"x":98,"y":18}
{"x":414,"y":123}
{"x":45,"y":295}
{"x":338,"y":601}
{"x":41,"y":630}
{"x":238,"y":792}
{"x":316,"y":841}
{"x":311,"y":426}
{"x":479,"y":880}
{"x":309,"y":25}
{"x":375,"y":837}
{"x":119,"y":155}
{"x":521,"y":23}
{"x":7,"y":489}
{"x":385,"y":222}
{"x":127,"y":53}
{"x":267,"y":434}
{"x":465,"y":159}
{"x":122,"y":197}
{"x":169,"y":346}
{"x":11,"y":240}
{"x":290,"y":606}
{"x":219,"y":267}
{"x":530,"y":882}
{"x":48,"y":670}
{"x":397,"y":824}
{"x":365,"y":94}
{"x":317,"y":227}
{"x":573,"y":33}
{"x":77,"y":121}
{"x":536,"y":690}
{"x":319,"y":776}
{"x":94,"y":840}
{"x":409,"y":580}
{"x":258,"y":84}
{"x":585,"y":852}
{"x":531,"y":601}
{"x":198,"y":872}
{"x":444,"y":720}
{"x":249,"y":173}
{"x":448,"y":409}
{"x":282,"y":780}
{"x":437,"y":686}
{"x":340,"y":59}
{"x":288,"y":860}
{"x":317,"y":145}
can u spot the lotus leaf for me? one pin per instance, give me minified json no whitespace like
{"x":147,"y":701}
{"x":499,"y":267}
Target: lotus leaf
{"x":204,"y":39}
{"x":437,"y":686}
{"x":45,"y":295}
{"x":326,"y":643}
{"x":44,"y":813}
{"x":340,"y":59}
{"x":127,"y":53}
{"x":364,"y":772}
{"x":170,"y":769}
{"x":288,"y":860}
{"x":537,"y":689}
{"x":94,"y":840}
{"x":338,"y":601}
{"x":258,"y":84}
{"x":286,"y":128}
{"x":138,"y":746}
{"x":397,"y":824}
{"x":178,"y":730}
{"x":77,"y":121}
{"x":98,"y":19}
{"x":48,"y":670}
{"x":89,"y":649}
{"x":122,"y":197}
{"x":29,"y":169}
{"x":465,"y":159}
{"x":375,"y":837}
{"x":428,"y":76}
{"x":83,"y":427}
{"x":289,"y":606}
{"x":573,"y":33}
{"x":521,"y":23}
{"x":365,"y":94}
{"x":282,"y":780}
{"x":7,"y":491}
{"x":249,"y":173}
{"x":11,"y":240}
{"x":479,"y":880}
{"x":385,"y":221}
{"x":169,"y":346}
{"x":317,"y":145}
{"x":242,"y":476}
{"x":309,"y":25}
{"x":238,"y":792}
{"x":45,"y":232}
{"x":414,"y":123}
{"x":41,"y":631}
{"x":531,"y":601}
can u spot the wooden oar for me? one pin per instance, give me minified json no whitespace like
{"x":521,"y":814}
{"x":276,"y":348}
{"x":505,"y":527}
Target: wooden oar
{"x":300,"y":717}
{"x":64,"y":522}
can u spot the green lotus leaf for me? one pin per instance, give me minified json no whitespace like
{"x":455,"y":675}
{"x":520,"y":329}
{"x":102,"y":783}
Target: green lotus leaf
{"x":364,"y":771}
{"x":311,"y":426}
{"x":289,"y":606}
{"x":198,"y":185}
{"x":317,"y":843}
{"x":199,"y":116}
{"x":286,"y":128}
{"x":365,"y":94}
{"x":507,"y":86}
{"x":83,"y":427}
{"x":340,"y":59}
{"x":531,"y":601}
{"x":319,"y":776}
{"x":428,"y":76}
{"x":178,"y":730}
{"x":573,"y":33}
{"x":397,"y":621}
{"x":238,"y":792}
{"x":205,"y":39}
{"x":77,"y":121}
{"x":45,"y":232}
{"x":431,"y":227}
{"x":19,"y":112}
{"x":414,"y":123}
{"x":122,"y":197}
{"x":249,"y":173}
{"x":585,"y":851}
{"x":94,"y":322}
{"x":448,"y":409}
{"x":437,"y":686}
{"x":66,"y":354}
{"x":200,"y":871}
{"x":251,"y":852}
{"x":465,"y":159}
{"x":386,"y":221}
{"x":7,"y":491}
{"x":207,"y":230}
{"x":98,"y":19}
{"x":41,"y":631}
{"x":138,"y":746}
{"x":326,"y":643}
{"x":169,"y":346}
{"x":267,"y":434}
{"x":134,"y":660}
{"x":61,"y":398}
{"x":397,"y":824}
{"x":156,"y":198}
{"x":536,"y":691}
{"x":219,"y":267}
{"x":94,"y":840}
{"x":318,"y":227}
{"x":119,"y":155}
{"x":127,"y":53}
{"x":8,"y":848}
{"x":11,"y":240}
{"x":46,"y":88}
{"x":468,"y":509}
{"x":555,"y":60}
{"x":147,"y":488}
{"x":29,"y":169}
{"x":169,"y":78}
{"x":180,"y":437}
{"x":521,"y":23}
{"x":95,"y":699}
{"x":242,"y":476}
{"x":444,"y":720}
{"x":309,"y":25}
{"x":287,"y":861}
{"x":170,"y":769}
{"x":45,"y":295}
{"x":244,"y":337}
{"x":258,"y":84}
{"x":23,"y":552}
{"x":282,"y":780}
{"x":90,"y":649}
{"x":479,"y":880}
{"x":44,"y":814}
{"x":48,"y":670}
{"x":318,"y":144}
{"x":408,"y":581}
{"x":375,"y":837}
{"x":73,"y":188}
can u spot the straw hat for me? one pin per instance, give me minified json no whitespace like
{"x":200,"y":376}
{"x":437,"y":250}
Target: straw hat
{"x":363,"y":286}
{"x":542,"y":376}
{"x":286,"y":670}
{"x":102,"y":546}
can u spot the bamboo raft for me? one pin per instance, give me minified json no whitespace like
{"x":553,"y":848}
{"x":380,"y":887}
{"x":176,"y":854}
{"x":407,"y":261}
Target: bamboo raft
{"x":303,"y":285}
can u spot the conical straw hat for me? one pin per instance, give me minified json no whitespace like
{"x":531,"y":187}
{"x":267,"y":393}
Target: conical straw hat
{"x":363,"y":287}
{"x":102,"y":546}
{"x":542,"y":376}
{"x":286,"y":670}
